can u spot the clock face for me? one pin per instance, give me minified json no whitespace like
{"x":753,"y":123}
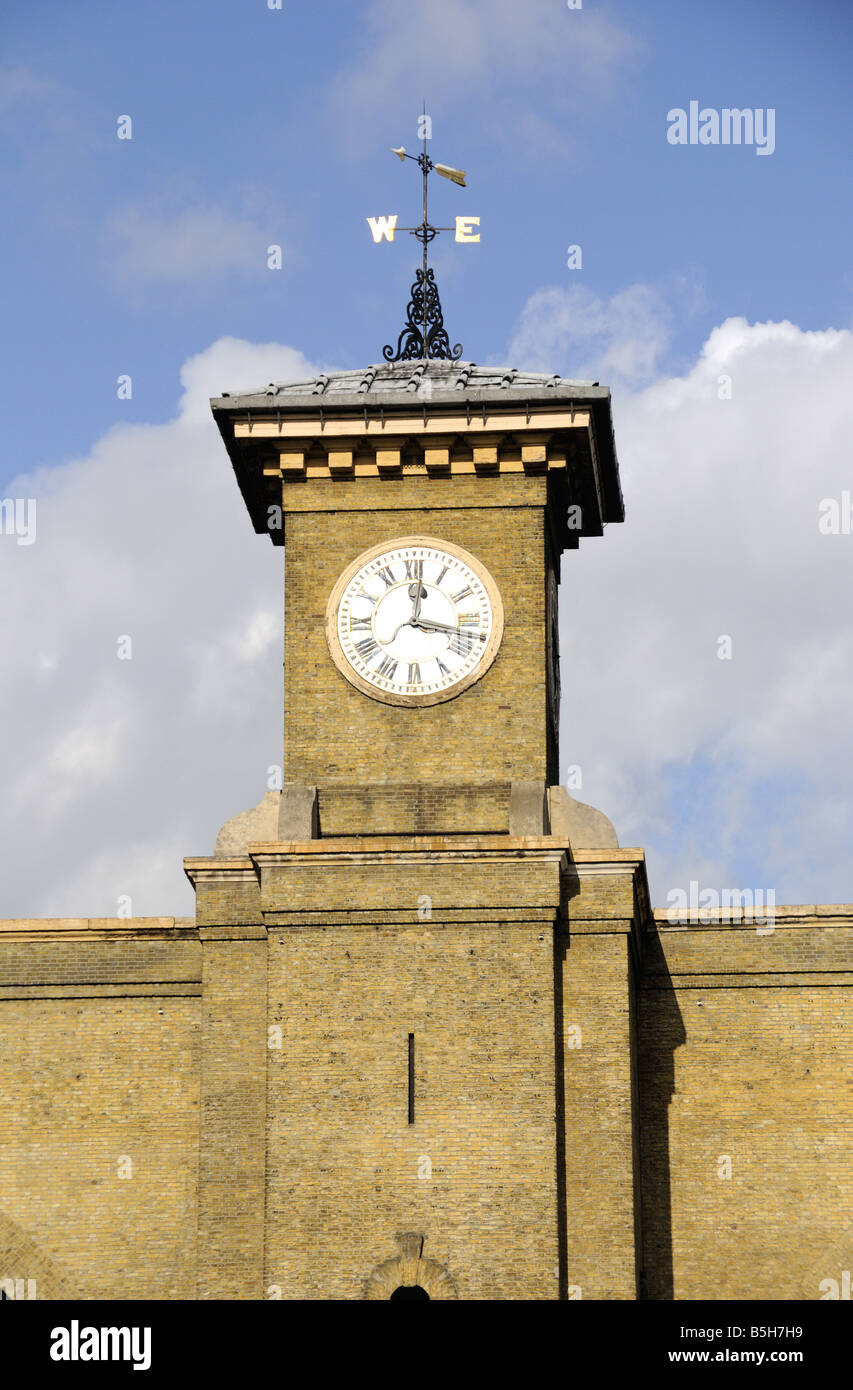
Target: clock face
{"x":414,"y":621}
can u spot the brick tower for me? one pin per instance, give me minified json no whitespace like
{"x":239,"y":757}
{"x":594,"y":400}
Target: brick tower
{"x":385,"y":939}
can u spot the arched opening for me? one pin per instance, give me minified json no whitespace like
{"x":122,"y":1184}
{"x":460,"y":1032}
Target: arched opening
{"x":409,"y":1275}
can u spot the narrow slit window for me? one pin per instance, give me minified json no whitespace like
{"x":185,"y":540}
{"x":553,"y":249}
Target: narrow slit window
{"x":411,"y":1078}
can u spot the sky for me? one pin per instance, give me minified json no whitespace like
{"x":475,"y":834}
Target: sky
{"x":707,"y":656}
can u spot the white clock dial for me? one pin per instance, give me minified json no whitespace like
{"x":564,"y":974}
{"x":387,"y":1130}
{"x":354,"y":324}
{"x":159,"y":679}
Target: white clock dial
{"x":414,"y":621}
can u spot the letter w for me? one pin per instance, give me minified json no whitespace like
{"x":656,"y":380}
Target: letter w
{"x":383,"y":227}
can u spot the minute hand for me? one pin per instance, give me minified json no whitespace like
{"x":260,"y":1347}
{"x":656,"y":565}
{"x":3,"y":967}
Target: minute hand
{"x":429,"y":625}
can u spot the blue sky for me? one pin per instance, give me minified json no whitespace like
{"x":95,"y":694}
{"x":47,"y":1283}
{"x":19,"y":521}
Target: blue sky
{"x":258,"y":117}
{"x":255,"y":126}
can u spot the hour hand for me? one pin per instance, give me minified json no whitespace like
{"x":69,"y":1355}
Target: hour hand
{"x":417,"y":592}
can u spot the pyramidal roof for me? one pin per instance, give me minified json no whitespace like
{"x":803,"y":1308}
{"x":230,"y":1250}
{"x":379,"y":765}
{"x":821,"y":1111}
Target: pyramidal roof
{"x":391,"y":383}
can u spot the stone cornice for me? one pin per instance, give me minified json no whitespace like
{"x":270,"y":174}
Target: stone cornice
{"x":95,"y":928}
{"x":380,"y":850}
{"x":416,"y":849}
{"x":208,"y":869}
{"x":735,"y":919}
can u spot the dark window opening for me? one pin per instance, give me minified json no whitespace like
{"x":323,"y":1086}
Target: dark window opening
{"x":415,"y":1291}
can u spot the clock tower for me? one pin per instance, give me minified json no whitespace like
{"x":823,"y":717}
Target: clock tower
{"x":423,"y":509}
{"x":386,"y":939}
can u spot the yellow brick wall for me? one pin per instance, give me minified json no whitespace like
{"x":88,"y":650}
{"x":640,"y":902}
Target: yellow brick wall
{"x":343,"y":1161}
{"x":599,"y":1116}
{"x":494,"y":733}
{"x":100,"y":1047}
{"x":232,"y":1113}
{"x":294,"y":1168}
{"x":746,"y":1068}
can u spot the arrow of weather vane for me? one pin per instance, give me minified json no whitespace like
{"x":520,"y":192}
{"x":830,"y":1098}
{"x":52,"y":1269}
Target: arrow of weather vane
{"x":424,"y":334}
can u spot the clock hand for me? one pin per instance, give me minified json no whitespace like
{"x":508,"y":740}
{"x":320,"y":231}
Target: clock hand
{"x":420,"y":626}
{"x":430,"y":625}
{"x":426,"y":624}
{"x":416,"y":592}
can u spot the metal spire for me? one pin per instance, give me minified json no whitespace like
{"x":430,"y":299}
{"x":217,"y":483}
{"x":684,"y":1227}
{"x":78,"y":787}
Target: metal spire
{"x":424,"y":335}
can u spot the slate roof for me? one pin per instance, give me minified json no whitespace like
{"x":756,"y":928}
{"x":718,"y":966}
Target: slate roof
{"x":398,"y":383}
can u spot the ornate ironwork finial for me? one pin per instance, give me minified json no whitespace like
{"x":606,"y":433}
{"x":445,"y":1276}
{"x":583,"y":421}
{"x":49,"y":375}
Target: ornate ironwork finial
{"x":424,"y":334}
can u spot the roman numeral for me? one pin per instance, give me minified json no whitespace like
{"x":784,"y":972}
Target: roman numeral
{"x":467,"y":592}
{"x":462,"y":642}
{"x":414,"y":673}
{"x":367,"y":648}
{"x":387,"y":667}
{"x":414,"y":569}
{"x":387,"y":576}
{"x":443,"y":573}
{"x":360,"y":625}
{"x":470,"y":619}
{"x":445,"y":670}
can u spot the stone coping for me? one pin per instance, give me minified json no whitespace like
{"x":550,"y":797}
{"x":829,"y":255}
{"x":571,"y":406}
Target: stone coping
{"x":74,"y":925}
{"x":376,"y":849}
{"x":735,"y":919}
{"x":426,"y":844}
{"x":747,"y":918}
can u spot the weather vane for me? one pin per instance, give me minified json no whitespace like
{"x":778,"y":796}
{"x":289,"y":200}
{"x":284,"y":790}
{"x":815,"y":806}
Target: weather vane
{"x":424,"y":334}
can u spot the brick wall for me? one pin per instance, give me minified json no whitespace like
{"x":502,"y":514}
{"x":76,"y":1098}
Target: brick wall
{"x":99,"y":1034}
{"x":701,"y":1135}
{"x":475,"y":1172}
{"x":444,"y":768}
{"x":747,"y":1152}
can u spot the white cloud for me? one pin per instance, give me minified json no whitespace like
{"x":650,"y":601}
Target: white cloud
{"x":232,"y":364}
{"x":582,"y":335}
{"x":113,"y":770}
{"x":715,"y":764}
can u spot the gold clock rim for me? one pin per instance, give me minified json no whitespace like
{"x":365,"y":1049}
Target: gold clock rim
{"x":387,"y":697}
